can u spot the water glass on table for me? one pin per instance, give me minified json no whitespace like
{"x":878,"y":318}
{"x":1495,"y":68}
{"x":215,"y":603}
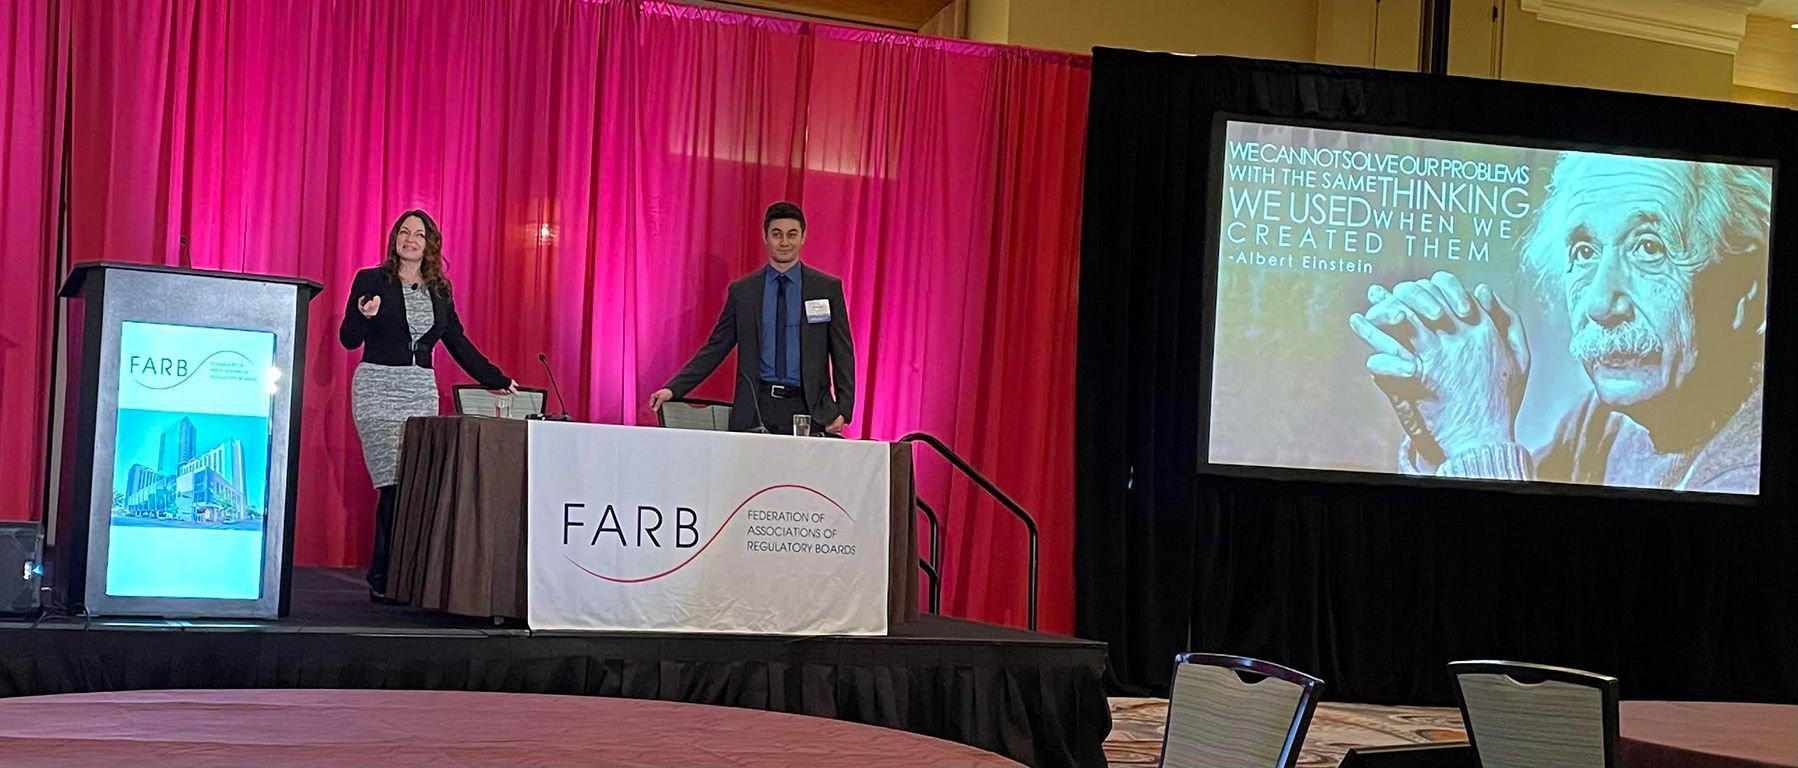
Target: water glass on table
{"x":802,"y":425}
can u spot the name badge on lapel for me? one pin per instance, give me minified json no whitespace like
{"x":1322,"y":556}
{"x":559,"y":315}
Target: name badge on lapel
{"x":817,"y":311}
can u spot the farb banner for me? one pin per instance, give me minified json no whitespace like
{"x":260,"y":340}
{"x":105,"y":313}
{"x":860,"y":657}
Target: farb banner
{"x":689,"y":531}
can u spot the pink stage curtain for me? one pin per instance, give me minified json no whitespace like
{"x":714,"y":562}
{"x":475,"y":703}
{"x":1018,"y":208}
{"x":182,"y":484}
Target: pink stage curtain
{"x":599,"y":170}
{"x":32,"y":33}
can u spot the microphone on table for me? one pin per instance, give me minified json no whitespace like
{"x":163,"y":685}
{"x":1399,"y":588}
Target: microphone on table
{"x":560,"y":403}
{"x":761,"y":425}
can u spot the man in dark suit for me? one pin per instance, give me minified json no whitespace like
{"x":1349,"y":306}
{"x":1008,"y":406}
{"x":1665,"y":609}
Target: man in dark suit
{"x":791,"y":332}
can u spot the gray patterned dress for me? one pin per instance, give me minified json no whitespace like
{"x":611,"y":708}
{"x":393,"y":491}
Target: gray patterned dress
{"x":382,"y":397}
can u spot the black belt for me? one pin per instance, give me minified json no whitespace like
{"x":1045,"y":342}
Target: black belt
{"x":781,"y":391}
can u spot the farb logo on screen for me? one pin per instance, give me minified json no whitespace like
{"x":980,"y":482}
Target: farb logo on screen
{"x":153,"y":370}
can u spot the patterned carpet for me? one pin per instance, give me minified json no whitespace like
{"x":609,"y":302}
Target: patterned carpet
{"x":1136,"y":726}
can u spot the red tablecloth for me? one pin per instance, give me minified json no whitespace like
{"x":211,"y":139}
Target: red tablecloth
{"x":440,"y":728}
{"x":1678,"y":734}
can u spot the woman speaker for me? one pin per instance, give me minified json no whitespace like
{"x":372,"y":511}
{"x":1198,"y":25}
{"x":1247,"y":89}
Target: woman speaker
{"x":397,"y":312}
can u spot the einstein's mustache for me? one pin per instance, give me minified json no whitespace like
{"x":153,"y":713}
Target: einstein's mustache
{"x":1621,"y":344}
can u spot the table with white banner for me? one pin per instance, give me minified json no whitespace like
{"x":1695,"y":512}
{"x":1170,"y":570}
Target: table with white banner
{"x":612,"y":528}
{"x":696,"y":531}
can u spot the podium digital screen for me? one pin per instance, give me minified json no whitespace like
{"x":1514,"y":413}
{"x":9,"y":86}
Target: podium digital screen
{"x":1489,"y":311}
{"x":190,"y":468}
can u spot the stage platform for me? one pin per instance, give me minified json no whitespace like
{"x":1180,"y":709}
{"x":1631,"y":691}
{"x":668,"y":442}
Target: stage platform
{"x":1035,"y":698}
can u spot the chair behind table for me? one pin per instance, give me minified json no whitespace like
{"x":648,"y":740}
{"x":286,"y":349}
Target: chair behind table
{"x":475,"y":400}
{"x":694,"y":414}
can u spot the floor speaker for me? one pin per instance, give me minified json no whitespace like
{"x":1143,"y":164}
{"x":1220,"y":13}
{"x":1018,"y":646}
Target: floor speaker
{"x":21,"y":568}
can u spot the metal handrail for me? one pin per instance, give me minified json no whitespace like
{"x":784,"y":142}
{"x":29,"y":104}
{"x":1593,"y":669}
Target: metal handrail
{"x":936,"y":554}
{"x":992,"y":490}
{"x":936,"y":586}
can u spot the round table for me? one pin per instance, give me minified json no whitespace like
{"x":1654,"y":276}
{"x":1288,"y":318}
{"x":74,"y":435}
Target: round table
{"x":354,"y":727}
{"x":1680,"y":734}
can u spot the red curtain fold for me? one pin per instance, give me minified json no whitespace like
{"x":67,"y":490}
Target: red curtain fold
{"x":599,"y":169}
{"x":33,"y":38}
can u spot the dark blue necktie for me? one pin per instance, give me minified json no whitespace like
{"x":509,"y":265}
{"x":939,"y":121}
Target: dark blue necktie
{"x":780,"y":326}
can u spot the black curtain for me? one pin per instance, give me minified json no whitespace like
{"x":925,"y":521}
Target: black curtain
{"x":1375,"y":587}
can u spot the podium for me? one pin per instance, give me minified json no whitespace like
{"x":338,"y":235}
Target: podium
{"x":181,"y":435}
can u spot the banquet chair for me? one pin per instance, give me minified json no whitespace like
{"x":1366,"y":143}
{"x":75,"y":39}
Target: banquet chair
{"x":1445,"y":755}
{"x":1234,"y":711}
{"x":1535,"y":716}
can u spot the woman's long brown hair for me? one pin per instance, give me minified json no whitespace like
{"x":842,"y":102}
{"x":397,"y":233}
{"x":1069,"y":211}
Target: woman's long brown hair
{"x":431,"y":268}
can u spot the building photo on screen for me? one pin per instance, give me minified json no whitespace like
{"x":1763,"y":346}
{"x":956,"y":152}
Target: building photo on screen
{"x":190,"y":471}
{"x":1427,"y":307}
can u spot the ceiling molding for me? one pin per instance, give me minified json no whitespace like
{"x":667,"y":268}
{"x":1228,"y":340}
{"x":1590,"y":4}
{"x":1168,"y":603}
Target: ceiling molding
{"x":1709,"y":25}
{"x":1778,"y":9}
{"x":1768,"y":59}
{"x":907,"y":15}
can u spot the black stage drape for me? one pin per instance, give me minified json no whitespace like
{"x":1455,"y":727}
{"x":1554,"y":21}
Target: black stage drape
{"x":1034,"y":698}
{"x":1376,"y":587}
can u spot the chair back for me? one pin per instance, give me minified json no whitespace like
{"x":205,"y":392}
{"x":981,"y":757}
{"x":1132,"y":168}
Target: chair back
{"x":1218,"y":719}
{"x":476,"y":400}
{"x":1445,"y":755}
{"x":1534,"y":716}
{"x":694,"y":414}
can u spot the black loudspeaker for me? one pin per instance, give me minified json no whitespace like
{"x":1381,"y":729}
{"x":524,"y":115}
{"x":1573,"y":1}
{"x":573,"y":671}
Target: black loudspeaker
{"x":1451,"y":755}
{"x":21,"y":568}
